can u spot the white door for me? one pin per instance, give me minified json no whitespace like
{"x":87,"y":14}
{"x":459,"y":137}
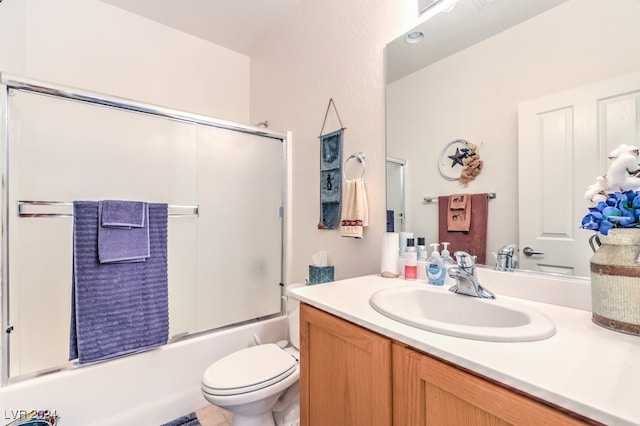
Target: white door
{"x":563,"y":143}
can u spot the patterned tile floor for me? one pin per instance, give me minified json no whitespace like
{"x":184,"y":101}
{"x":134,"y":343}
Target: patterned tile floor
{"x":214,"y":416}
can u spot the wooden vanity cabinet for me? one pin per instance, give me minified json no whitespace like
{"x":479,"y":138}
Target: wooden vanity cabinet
{"x":345,"y":372}
{"x":351,"y":376}
{"x":427,"y":391}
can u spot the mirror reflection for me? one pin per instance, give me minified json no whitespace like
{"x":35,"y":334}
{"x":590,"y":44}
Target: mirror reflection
{"x":395,"y":194}
{"x":544,"y":90}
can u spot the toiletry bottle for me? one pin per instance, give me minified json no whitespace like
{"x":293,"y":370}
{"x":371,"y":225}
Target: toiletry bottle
{"x":404,"y":237}
{"x":436,"y":270}
{"x":446,"y":255}
{"x":421,"y":249}
{"x":448,"y":261}
{"x":400,"y":264}
{"x":410,"y":261}
{"x":422,"y":259}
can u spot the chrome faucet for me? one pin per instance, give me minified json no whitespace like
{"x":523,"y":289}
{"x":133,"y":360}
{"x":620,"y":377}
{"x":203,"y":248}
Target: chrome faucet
{"x":466,"y":279}
{"x":506,"y":259}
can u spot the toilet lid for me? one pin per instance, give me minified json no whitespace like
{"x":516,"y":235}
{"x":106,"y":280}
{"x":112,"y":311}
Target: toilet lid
{"x":248,"y":369}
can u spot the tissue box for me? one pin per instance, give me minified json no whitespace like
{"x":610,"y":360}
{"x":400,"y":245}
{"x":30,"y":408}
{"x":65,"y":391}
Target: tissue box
{"x":320,"y":274}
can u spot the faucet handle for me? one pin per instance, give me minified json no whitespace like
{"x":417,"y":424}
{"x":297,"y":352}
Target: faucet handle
{"x":508,"y":250}
{"x":464,"y":259}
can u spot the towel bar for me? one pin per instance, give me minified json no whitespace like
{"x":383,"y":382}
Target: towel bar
{"x":65,"y":209}
{"x":432,"y":199}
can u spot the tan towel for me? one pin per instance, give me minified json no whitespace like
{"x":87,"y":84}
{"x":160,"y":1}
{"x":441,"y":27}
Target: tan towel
{"x":355,"y":209}
{"x":459,"y":215}
{"x":473,"y":241}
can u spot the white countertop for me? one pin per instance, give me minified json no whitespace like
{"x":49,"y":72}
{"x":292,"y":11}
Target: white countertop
{"x":585,"y":368}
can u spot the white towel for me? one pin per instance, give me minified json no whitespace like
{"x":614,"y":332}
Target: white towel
{"x":355,"y":209}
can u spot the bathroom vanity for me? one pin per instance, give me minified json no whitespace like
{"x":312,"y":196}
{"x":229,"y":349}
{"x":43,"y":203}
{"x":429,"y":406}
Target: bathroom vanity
{"x":361,"y":367}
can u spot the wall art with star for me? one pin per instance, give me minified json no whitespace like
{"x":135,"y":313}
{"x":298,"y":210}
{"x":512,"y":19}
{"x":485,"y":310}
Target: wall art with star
{"x":460,"y":161}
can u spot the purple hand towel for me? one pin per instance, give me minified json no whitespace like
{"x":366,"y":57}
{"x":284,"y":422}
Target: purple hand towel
{"x":122,"y":244}
{"x":127,"y":214}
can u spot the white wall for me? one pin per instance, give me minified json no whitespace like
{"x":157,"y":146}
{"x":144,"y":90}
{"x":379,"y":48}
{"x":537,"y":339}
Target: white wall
{"x":331,"y":49}
{"x":474,"y":95}
{"x":95,"y":46}
{"x":12,"y":42}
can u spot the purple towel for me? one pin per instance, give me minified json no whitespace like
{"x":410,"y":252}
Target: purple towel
{"x":125,"y":214}
{"x":117,"y":308}
{"x":118,"y":242}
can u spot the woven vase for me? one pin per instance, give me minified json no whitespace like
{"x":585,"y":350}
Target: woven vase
{"x":615,"y":281}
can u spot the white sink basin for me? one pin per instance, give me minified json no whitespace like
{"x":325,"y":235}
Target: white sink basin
{"x":441,"y":311}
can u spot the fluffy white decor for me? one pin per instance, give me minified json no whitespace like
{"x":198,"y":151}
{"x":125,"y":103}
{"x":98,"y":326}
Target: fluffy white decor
{"x":620,"y":176}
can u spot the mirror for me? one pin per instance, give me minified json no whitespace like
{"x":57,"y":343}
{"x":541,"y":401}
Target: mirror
{"x":467,"y":79}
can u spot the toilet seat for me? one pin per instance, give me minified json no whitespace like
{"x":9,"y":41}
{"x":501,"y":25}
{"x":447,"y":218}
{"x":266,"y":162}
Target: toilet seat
{"x":248,"y":370}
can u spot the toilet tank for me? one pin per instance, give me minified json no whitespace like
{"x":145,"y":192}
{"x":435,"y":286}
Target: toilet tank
{"x":293,"y":316}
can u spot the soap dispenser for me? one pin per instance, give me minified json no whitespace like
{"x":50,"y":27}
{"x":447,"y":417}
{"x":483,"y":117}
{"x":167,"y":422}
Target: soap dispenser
{"x":446,"y":255}
{"x":436,"y":270}
{"x":448,"y":261}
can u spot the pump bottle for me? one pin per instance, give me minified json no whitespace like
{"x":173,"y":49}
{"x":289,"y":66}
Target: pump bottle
{"x":448,"y":261}
{"x":410,"y":261}
{"x":446,"y":255}
{"x":436,"y":270}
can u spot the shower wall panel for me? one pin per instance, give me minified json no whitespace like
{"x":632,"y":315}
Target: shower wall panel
{"x":224,"y":265}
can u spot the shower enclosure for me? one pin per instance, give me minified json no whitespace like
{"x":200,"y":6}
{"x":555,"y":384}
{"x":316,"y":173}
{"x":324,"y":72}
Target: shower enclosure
{"x":224,"y":183}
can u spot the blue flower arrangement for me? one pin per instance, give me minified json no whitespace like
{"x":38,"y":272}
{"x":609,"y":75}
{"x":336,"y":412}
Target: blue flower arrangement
{"x":619,"y":210}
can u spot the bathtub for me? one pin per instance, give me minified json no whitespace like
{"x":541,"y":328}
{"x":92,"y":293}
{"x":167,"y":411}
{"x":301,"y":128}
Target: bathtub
{"x":149,"y":388}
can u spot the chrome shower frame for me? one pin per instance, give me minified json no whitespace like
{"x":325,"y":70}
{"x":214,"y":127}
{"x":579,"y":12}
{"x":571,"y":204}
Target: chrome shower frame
{"x":10,"y":83}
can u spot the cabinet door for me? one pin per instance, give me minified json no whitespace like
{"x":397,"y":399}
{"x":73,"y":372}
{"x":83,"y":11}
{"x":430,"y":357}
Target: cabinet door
{"x":427,"y":391}
{"x":345,"y":372}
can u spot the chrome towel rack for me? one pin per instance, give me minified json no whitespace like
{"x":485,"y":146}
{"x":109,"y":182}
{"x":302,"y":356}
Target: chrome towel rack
{"x":360,"y":157}
{"x":432,"y":199}
{"x":65,"y":209}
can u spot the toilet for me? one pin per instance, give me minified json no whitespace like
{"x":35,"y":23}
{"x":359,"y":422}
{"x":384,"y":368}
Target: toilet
{"x":259,"y":384}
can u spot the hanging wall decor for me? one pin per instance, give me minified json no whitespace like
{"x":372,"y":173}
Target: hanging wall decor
{"x":330,"y":173}
{"x":459,"y":160}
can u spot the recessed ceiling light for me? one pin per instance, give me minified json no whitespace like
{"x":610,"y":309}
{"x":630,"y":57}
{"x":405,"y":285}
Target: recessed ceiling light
{"x":414,"y":37}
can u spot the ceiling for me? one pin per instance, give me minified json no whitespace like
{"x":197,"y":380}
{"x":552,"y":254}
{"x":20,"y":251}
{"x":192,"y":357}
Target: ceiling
{"x":469,"y":22}
{"x":235,"y":24}
{"x":239,"y":25}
